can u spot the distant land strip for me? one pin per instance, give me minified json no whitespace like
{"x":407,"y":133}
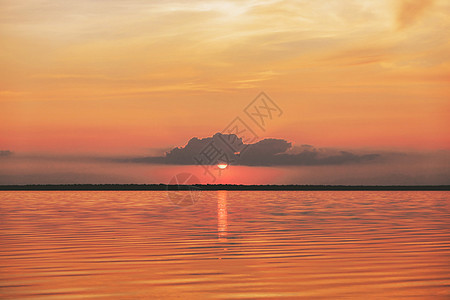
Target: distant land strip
{"x":216,"y":187}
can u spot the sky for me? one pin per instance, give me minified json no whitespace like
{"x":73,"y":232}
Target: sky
{"x":89,"y":90}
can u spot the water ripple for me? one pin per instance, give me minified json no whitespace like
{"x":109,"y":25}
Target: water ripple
{"x":230,"y":245}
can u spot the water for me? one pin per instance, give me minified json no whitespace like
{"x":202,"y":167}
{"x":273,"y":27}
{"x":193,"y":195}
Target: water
{"x":229,"y":245}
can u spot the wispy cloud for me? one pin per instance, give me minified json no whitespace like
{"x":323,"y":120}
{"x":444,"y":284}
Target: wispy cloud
{"x":409,"y":11}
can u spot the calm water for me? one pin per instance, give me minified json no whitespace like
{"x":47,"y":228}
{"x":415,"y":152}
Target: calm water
{"x":230,"y":245}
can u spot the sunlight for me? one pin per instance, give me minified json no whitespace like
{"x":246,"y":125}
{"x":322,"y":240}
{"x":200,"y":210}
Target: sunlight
{"x":222,"y":166}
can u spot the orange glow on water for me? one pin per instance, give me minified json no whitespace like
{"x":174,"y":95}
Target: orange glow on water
{"x":228,"y":245}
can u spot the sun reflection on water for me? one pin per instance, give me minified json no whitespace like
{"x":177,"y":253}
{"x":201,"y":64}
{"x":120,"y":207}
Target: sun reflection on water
{"x":222,"y":215}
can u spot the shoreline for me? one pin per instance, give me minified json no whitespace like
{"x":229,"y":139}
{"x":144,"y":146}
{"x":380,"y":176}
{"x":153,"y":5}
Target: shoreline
{"x":216,"y":187}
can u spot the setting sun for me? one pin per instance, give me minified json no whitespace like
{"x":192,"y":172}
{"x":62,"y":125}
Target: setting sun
{"x":222,"y":166}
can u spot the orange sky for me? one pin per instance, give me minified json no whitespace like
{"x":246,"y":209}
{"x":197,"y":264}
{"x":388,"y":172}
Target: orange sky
{"x":126,"y":76}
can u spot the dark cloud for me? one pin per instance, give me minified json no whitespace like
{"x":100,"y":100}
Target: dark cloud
{"x":291,"y":164}
{"x":5,"y":153}
{"x":267,"y":152}
{"x":220,"y":147}
{"x":211,"y":146}
{"x":272,"y":152}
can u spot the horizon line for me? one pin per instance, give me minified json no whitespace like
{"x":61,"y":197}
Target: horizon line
{"x":215,"y":187}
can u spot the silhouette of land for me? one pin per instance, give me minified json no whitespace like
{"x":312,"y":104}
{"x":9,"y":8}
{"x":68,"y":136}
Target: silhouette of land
{"x":215,"y":187}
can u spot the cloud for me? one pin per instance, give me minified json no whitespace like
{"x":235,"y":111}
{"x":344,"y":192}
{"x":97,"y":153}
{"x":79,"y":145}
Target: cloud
{"x":221,"y":148}
{"x":306,"y":155}
{"x":410,"y":11}
{"x":278,"y":161}
{"x":264,"y":153}
{"x":5,"y":153}
{"x":210,"y":146}
{"x":267,"y":152}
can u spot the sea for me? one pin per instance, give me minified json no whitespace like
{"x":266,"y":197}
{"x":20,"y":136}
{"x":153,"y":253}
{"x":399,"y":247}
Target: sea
{"x":225,"y":245}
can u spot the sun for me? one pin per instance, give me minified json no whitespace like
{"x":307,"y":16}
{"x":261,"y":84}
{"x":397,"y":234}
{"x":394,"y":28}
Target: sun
{"x":222,"y":166}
